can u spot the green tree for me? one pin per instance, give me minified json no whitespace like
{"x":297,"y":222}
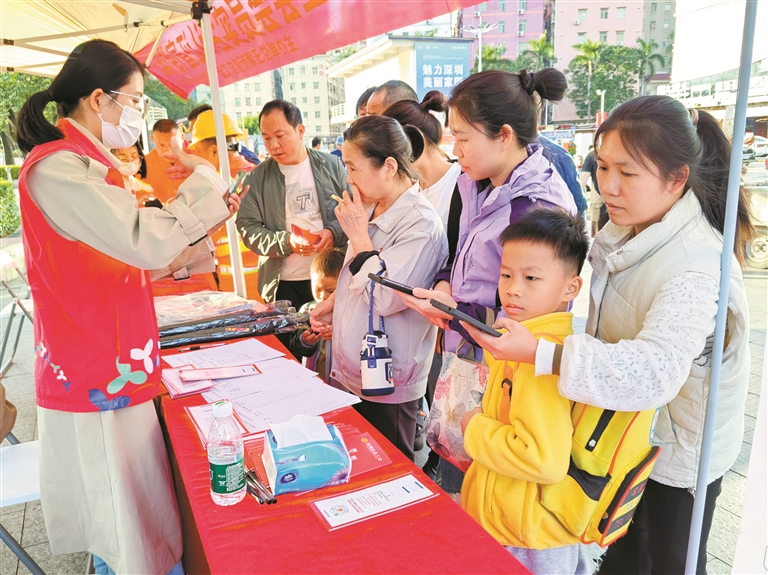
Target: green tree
{"x":175,"y":106}
{"x":251,"y":123}
{"x":616,"y":72}
{"x":15,"y":88}
{"x":493,"y":59}
{"x":589,"y":54}
{"x":647,"y":59}
{"x":541,"y":51}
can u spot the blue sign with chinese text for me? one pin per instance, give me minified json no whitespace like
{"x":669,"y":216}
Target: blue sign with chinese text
{"x":441,"y":66}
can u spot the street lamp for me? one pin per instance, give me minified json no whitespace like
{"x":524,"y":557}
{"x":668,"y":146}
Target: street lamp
{"x":479,"y":29}
{"x":601,"y":93}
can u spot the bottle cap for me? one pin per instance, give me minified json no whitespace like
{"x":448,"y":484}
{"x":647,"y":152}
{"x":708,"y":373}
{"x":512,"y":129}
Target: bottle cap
{"x":222,"y":408}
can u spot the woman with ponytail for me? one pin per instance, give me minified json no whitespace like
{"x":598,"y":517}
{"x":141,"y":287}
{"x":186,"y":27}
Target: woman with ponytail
{"x":105,"y":483}
{"x":494,"y":117}
{"x":663,"y":173}
{"x":394,"y":232}
{"x":437,"y":173}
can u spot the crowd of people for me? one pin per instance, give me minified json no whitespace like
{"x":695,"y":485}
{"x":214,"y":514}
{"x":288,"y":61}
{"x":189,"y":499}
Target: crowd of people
{"x":497,"y":232}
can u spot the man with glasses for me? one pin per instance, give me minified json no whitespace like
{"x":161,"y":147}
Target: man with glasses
{"x":163,"y":186}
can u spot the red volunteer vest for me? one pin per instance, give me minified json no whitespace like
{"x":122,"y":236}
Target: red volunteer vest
{"x":96,"y":341}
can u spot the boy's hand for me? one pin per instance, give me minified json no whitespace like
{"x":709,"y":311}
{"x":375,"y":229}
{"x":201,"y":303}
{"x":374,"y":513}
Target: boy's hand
{"x":309,"y":338}
{"x":516,"y":344}
{"x":467,"y":416}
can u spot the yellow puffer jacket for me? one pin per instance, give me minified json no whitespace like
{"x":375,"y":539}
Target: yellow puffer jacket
{"x":501,"y":488}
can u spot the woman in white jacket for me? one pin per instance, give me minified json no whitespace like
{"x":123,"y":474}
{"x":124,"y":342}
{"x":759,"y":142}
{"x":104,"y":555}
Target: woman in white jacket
{"x":663,"y":175}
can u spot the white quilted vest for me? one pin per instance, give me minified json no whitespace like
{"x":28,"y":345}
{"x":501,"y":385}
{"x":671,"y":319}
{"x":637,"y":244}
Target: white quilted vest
{"x":626,"y":277}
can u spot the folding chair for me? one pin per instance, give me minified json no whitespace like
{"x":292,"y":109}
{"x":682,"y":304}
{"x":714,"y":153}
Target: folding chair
{"x":9,"y":311}
{"x":20,"y":481}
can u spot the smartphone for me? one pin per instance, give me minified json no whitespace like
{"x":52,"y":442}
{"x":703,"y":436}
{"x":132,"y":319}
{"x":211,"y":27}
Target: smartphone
{"x":391,"y":284}
{"x":237,"y":183}
{"x":464,"y":317}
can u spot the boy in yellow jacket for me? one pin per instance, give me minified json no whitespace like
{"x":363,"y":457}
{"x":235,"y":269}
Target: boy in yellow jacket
{"x":521,"y":438}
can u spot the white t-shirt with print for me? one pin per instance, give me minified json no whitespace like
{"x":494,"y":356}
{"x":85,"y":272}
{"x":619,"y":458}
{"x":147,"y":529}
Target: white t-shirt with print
{"x":440,"y":193}
{"x":303,"y":209}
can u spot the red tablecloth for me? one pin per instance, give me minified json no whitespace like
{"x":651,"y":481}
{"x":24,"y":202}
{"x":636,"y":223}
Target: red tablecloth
{"x":434,"y":536}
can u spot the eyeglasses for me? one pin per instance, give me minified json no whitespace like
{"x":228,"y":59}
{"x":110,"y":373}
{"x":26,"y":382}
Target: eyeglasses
{"x":142,"y":102}
{"x":233,"y":146}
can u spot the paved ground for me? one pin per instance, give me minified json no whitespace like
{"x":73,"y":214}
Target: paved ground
{"x":25,"y":522}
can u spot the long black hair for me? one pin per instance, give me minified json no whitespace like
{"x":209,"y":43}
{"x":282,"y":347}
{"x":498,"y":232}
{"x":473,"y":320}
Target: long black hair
{"x":660,"y":131}
{"x":92,"y":65}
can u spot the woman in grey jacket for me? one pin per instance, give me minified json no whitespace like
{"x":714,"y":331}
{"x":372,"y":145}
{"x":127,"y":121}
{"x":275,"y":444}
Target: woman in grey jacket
{"x":393,"y":231}
{"x":663,"y":175}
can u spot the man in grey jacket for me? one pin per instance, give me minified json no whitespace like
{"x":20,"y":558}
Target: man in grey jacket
{"x":287,"y":216}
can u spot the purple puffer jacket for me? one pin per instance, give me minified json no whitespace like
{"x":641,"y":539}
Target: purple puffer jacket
{"x":474,"y":276}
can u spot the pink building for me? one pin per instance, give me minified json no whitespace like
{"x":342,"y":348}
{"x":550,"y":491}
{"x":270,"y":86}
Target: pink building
{"x":517,"y":22}
{"x":616,"y":22}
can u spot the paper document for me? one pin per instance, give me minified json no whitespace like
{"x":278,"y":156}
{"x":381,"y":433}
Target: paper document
{"x":355,"y":506}
{"x":238,"y":387}
{"x":258,"y":411}
{"x":241,"y":353}
{"x":178,"y":388}
{"x":202,"y":417}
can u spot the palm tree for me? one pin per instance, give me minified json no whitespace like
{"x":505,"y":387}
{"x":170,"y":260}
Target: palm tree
{"x":589,"y":56}
{"x":647,"y":59}
{"x":541,"y":51}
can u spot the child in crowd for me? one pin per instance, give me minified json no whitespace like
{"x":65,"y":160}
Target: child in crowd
{"x":521,"y":437}
{"x":324,"y":275}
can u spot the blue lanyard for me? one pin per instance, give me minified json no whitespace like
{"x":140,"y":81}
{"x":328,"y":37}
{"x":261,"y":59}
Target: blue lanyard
{"x":370,"y":307}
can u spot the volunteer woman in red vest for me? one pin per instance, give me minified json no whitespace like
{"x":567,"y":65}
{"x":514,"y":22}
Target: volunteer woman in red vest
{"x":104,"y":477}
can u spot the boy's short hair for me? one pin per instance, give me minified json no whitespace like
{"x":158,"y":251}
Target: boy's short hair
{"x":165,"y":126}
{"x":328,"y":263}
{"x":553,"y":227}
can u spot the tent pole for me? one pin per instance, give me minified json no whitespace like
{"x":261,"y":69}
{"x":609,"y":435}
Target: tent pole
{"x":221,"y":143}
{"x":726,"y":263}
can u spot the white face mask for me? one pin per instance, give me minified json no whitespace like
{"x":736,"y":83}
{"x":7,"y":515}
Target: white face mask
{"x":125,"y":134}
{"x":130,"y":168}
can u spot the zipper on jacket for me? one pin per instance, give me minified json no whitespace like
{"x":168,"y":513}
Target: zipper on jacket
{"x":602,"y":424}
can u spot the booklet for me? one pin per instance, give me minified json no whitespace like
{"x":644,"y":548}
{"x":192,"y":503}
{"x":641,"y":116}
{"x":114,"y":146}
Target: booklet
{"x":369,"y":502}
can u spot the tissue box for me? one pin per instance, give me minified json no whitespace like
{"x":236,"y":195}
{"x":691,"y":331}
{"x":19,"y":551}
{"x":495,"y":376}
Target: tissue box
{"x":306,"y":466}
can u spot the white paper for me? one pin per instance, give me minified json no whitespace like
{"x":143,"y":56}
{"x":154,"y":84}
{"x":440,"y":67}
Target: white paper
{"x":178,"y":388}
{"x":307,"y":396}
{"x":237,"y":387}
{"x":188,"y":374}
{"x":202,"y":417}
{"x":300,"y":429}
{"x":379,"y":499}
{"x":240,"y":353}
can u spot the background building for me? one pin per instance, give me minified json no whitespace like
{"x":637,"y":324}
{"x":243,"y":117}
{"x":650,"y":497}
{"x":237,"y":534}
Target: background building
{"x":425,"y":63}
{"x":705,"y":74}
{"x":616,"y":22}
{"x":516,"y":22}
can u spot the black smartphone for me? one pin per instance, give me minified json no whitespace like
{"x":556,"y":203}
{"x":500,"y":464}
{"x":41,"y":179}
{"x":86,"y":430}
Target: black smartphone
{"x":453,"y":312}
{"x":390,"y":284}
{"x":237,"y":183}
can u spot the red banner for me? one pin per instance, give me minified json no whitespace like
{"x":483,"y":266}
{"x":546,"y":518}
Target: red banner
{"x":255,"y":36}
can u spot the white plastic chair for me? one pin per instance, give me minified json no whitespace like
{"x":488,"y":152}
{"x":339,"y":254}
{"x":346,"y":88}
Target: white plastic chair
{"x":19,"y":483}
{"x":9,"y":312}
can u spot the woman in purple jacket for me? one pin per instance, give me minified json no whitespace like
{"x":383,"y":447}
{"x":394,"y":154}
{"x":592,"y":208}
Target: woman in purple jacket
{"x":494,"y":116}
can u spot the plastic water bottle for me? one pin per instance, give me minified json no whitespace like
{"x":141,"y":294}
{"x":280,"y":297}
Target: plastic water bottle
{"x":225,"y":456}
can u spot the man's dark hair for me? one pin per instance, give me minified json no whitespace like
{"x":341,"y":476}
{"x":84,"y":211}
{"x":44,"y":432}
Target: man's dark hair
{"x":195,"y":112}
{"x":290,"y":111}
{"x":328,"y":263}
{"x":553,"y":227}
{"x":396,"y":90}
{"x":165,"y":126}
{"x":316,"y":141}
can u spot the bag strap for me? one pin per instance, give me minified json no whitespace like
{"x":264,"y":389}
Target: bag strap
{"x":370,"y":306}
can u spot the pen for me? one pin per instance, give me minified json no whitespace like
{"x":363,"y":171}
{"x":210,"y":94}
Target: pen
{"x":268,"y":496}
{"x":253,"y":491}
{"x":203,"y":346}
